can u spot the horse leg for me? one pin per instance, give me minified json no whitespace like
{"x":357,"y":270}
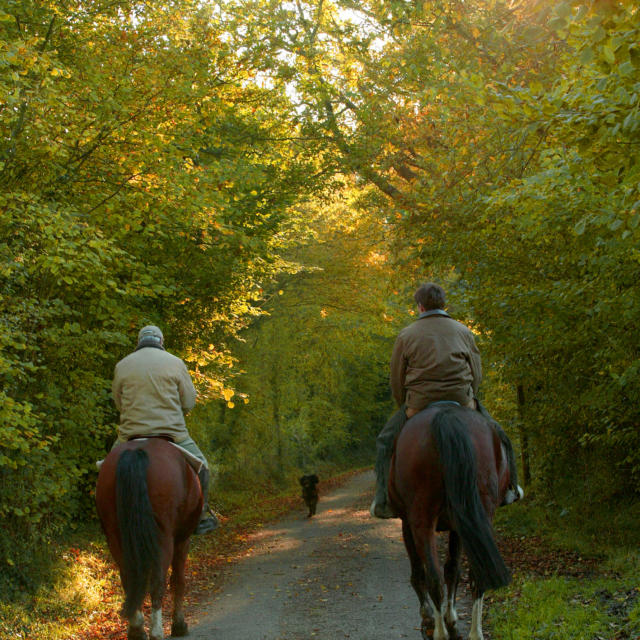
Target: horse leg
{"x":135,"y":630}
{"x":179,"y":626}
{"x":157,"y":589}
{"x":476,"y":616}
{"x":426,"y":545}
{"x":451,"y":576}
{"x":155,"y":622}
{"x":418,"y":581}
{"x":136,"y":627}
{"x":435,"y":580}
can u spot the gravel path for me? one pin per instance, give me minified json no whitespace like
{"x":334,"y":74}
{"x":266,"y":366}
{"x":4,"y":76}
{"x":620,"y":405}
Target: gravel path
{"x":340,"y":574}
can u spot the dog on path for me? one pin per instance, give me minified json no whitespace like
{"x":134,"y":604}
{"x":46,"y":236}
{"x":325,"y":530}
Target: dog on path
{"x":310,"y":492}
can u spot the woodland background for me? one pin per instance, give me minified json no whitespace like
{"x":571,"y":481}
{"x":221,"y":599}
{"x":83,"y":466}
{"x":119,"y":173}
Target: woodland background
{"x":268,"y":182}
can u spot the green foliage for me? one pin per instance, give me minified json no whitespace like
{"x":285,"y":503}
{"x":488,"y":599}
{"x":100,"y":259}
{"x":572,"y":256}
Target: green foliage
{"x":314,"y":385}
{"x":563,"y":608}
{"x":181,"y":163}
{"x":503,"y":139}
{"x":543,"y":601}
{"x":567,"y":231}
{"x":144,"y":177}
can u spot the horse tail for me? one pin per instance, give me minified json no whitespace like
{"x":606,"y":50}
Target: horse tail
{"x":466,"y":511}
{"x":138,"y":529}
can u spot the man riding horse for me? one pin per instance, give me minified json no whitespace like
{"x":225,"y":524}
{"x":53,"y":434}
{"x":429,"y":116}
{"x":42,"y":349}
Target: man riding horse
{"x":153,"y":390}
{"x":434,"y":359}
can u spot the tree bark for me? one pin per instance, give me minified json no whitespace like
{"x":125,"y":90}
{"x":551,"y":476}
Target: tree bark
{"x":524,"y":438}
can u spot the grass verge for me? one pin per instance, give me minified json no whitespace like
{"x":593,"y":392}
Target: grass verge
{"x":576,"y":575}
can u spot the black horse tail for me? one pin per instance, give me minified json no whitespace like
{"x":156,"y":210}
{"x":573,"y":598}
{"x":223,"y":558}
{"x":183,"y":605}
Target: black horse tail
{"x":466,"y":511}
{"x":138,"y":529}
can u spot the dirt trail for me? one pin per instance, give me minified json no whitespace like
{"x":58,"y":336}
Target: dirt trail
{"x":341,"y":574}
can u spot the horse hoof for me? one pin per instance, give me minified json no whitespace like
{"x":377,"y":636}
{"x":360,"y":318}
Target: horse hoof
{"x":427,"y":633}
{"x":453,"y":633}
{"x":137,"y":634}
{"x":451,"y":628}
{"x":179,"y":629}
{"x":427,"y":628}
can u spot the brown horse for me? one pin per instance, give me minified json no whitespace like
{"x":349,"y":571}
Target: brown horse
{"x":149,"y":503}
{"x":449,"y":473}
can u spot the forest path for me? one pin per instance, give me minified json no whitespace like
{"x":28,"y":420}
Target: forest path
{"x":340,"y":574}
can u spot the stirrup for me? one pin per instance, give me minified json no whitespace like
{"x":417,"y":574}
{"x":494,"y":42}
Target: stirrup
{"x":206,"y":525}
{"x":383,"y":511}
{"x":512,"y":495}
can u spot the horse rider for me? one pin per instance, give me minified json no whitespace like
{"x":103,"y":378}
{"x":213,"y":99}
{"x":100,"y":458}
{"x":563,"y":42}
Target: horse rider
{"x":153,"y":390}
{"x":434,"y":359}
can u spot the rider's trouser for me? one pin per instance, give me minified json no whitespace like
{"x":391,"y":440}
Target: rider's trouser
{"x":384,"y":450}
{"x":203,"y":474}
{"x":193,"y":449}
{"x":504,"y":439}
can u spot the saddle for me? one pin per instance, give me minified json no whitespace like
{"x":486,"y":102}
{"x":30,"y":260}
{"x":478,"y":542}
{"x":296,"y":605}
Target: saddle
{"x":440,"y":403}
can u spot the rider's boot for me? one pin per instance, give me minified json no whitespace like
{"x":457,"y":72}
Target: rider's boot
{"x":380,"y":507}
{"x":208,"y":521}
{"x":514,"y":490}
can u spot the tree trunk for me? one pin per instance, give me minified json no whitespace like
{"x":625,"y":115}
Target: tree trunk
{"x":275,"y":389}
{"x":524,"y":438}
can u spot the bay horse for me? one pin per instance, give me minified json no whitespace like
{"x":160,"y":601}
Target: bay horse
{"x":449,"y":473}
{"x":149,"y":503}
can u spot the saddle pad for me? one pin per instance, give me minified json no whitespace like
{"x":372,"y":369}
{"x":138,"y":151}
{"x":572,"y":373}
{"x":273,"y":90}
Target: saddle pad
{"x":190,"y":458}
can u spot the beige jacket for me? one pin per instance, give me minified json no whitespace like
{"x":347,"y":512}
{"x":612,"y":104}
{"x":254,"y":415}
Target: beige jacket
{"x":152,"y":389}
{"x":435,"y":358}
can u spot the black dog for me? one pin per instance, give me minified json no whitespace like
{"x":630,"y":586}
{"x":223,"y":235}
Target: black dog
{"x":310,"y":492}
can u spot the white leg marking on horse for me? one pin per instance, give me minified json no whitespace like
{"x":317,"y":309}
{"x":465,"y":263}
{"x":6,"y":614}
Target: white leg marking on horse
{"x":136,"y":621}
{"x":476,"y":620}
{"x":428,"y":612}
{"x":439,"y":628}
{"x":156,"y":624}
{"x":451,"y":615}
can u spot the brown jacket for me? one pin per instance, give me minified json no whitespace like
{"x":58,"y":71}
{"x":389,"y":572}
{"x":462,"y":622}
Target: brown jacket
{"x":152,"y":390}
{"x":435,"y":358}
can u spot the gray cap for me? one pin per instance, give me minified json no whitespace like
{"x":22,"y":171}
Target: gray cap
{"x":150,"y":335}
